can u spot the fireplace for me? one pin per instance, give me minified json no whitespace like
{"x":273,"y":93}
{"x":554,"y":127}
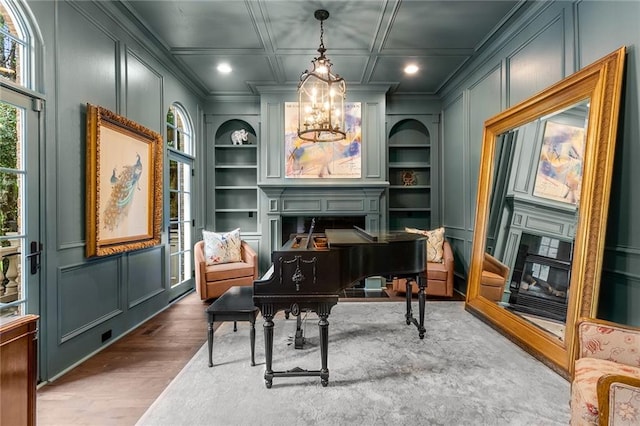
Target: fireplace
{"x":540,"y":280}
{"x":301,"y":224}
{"x":290,"y":208}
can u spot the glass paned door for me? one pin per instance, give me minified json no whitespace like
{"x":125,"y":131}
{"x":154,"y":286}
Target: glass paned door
{"x":180,"y":223}
{"x":19,"y":214}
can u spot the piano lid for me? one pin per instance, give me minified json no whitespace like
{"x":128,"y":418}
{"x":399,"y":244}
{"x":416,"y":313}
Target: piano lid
{"x":358,"y":236}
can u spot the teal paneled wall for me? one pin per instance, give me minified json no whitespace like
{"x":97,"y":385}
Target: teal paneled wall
{"x":453,"y":176}
{"x":539,"y":62}
{"x":482,"y":102}
{"x":604,"y":26}
{"x":553,"y":40}
{"x":91,"y":56}
{"x":76,"y":75}
{"x":143,"y":87}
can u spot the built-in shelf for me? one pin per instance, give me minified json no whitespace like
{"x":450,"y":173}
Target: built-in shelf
{"x":406,"y":165}
{"x":409,"y":171}
{"x":235,"y":166}
{"x":236,"y":210}
{"x":409,"y":188}
{"x":235,"y":179}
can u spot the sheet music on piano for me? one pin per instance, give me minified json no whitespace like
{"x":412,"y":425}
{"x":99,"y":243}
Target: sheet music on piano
{"x":267,"y":274}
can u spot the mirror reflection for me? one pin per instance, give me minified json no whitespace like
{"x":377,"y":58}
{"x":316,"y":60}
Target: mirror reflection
{"x":533,"y":216}
{"x":543,"y":192}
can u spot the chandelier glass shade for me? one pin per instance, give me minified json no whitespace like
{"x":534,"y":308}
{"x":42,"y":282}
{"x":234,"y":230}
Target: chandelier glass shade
{"x":321,"y":95}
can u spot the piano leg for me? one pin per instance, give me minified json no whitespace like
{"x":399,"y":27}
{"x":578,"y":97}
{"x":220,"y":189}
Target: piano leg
{"x":323,"y":325}
{"x":298,"y":340}
{"x":210,"y":341}
{"x":421,"y":301}
{"x":268,"y":350}
{"x":252,"y":336}
{"x":409,"y":314}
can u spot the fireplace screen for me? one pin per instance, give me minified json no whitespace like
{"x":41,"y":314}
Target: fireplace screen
{"x":540,"y":281}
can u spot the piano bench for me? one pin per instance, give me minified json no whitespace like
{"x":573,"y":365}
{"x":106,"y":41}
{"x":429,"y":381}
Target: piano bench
{"x":236,"y":304}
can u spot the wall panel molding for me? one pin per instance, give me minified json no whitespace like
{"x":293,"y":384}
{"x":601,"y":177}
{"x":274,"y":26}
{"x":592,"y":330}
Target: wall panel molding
{"x":97,"y":56}
{"x":143,"y":86}
{"x":98,"y":285}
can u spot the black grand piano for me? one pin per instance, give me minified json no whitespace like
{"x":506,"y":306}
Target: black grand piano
{"x":310,"y":271}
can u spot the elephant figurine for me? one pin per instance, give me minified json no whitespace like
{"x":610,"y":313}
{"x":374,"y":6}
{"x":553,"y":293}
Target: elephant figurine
{"x":239,"y":137}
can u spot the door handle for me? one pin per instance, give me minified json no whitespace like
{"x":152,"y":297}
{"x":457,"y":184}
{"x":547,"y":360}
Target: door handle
{"x":34,"y":256}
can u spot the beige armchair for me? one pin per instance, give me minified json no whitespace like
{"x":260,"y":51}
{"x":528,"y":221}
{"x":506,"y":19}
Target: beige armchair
{"x":493,"y":279}
{"x":213,"y":280}
{"x":439,"y":276}
{"x":606,"y":385}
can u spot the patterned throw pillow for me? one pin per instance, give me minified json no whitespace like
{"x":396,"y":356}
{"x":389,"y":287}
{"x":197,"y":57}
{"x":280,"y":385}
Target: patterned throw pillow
{"x":435,"y":243}
{"x":222,"y":247}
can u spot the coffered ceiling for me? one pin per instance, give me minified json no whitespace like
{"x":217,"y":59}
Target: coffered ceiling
{"x":270,"y":42}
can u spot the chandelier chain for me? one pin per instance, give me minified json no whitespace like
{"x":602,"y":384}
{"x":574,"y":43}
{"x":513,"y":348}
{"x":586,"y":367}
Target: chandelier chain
{"x":321,"y":35}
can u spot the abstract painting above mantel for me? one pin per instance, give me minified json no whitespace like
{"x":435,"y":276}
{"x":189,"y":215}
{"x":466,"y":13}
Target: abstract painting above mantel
{"x":313,"y":160}
{"x":559,"y":174}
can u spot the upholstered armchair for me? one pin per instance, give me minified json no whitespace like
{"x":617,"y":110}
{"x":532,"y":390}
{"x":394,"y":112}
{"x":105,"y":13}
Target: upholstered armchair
{"x":493,"y":279}
{"x":439,"y":276}
{"x":606,"y":385}
{"x":213,"y":280}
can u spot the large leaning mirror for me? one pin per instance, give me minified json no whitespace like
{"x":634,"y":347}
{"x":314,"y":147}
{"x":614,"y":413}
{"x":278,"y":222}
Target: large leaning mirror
{"x":543,"y":194}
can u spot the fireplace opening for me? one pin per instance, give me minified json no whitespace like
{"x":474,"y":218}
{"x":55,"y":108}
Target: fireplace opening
{"x":301,"y":224}
{"x":540,"y":281}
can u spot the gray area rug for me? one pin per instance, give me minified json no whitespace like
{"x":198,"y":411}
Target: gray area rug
{"x":381,"y":373}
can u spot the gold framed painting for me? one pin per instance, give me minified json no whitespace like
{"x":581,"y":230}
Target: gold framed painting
{"x":123,"y":184}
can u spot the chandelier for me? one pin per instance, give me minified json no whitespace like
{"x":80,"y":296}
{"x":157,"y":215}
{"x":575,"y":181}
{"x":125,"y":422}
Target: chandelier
{"x":321,"y":97}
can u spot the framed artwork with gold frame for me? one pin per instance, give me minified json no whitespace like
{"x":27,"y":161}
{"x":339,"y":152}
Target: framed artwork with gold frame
{"x":123,"y":184}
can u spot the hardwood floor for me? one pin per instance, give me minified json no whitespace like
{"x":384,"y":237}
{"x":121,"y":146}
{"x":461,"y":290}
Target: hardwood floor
{"x":117,"y":385}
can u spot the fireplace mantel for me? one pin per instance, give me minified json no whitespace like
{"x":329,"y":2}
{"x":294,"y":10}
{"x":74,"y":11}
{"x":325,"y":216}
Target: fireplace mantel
{"x":367,"y":199}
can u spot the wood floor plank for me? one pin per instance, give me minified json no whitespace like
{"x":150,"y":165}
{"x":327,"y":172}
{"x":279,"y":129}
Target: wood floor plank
{"x":117,"y":385}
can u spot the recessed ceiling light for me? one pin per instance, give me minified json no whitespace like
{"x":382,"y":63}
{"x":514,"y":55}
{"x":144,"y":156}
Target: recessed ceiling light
{"x":411,"y":69}
{"x":224,"y":68}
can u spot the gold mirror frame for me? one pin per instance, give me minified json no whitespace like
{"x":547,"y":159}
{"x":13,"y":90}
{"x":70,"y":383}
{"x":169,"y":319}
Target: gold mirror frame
{"x":601,"y":83}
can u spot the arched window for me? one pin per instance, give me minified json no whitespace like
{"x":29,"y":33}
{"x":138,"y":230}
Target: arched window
{"x":179,"y":142}
{"x":179,"y":130}
{"x":15,"y":46}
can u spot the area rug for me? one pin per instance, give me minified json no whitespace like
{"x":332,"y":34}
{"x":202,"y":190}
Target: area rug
{"x":381,"y":373}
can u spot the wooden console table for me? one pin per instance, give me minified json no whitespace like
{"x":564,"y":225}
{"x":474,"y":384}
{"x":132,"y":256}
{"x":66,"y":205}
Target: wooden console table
{"x":18,"y":369}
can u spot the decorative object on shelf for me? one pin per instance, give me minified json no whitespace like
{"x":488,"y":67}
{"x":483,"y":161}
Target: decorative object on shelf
{"x":124,"y":184}
{"x":321,"y":96}
{"x":240,"y":137}
{"x":409,"y":178}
